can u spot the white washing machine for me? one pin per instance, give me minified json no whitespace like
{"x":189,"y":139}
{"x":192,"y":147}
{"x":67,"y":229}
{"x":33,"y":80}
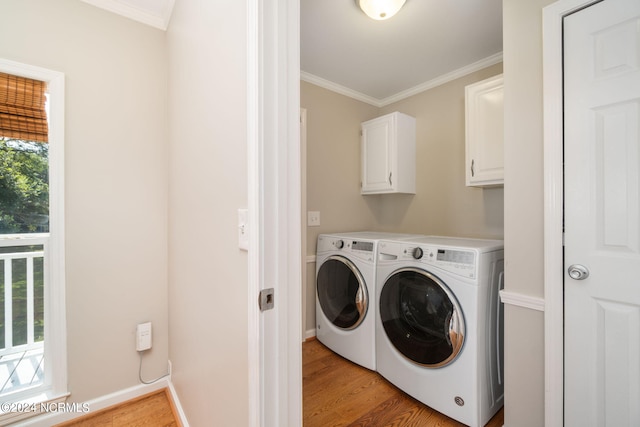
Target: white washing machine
{"x":345,"y":293}
{"x":439,"y":323}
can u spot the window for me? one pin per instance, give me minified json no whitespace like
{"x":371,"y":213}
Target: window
{"x":32,"y":311}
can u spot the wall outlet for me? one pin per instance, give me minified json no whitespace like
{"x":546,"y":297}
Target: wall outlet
{"x":143,"y":336}
{"x":313,"y":219}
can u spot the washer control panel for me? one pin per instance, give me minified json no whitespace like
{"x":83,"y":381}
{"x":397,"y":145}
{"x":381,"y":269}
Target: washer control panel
{"x":455,"y":256}
{"x":454,"y":260}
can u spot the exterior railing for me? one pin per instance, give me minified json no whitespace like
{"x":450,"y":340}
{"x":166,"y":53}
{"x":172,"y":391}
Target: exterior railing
{"x":23,"y":266}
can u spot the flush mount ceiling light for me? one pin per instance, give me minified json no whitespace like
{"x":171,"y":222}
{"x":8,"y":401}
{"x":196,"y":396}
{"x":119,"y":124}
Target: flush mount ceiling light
{"x":380,"y":9}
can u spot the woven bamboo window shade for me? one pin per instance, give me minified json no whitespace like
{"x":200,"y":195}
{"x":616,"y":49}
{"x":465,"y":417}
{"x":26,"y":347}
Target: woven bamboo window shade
{"x":22,"y":108}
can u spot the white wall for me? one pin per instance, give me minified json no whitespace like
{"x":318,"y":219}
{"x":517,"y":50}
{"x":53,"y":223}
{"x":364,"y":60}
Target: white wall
{"x":208,"y":183}
{"x":116,"y":181}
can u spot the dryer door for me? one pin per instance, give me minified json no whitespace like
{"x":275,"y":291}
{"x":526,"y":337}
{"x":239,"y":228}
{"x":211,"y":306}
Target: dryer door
{"x":422,"y":317}
{"x":342,"y":292}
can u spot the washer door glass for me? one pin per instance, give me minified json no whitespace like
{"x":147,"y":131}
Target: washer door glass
{"x":422,"y":318}
{"x":342,"y":293}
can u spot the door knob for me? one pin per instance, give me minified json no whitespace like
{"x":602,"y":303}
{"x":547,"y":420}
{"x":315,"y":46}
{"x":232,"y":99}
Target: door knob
{"x":578,"y":272}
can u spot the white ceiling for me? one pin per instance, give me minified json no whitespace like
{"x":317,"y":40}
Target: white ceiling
{"x":427,"y":43}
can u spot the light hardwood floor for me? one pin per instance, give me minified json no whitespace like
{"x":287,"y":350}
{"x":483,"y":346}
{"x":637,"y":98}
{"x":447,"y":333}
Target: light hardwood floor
{"x":152,"y":410}
{"x":337,"y":392}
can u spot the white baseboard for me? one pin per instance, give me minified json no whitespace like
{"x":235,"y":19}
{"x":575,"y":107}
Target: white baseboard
{"x":309,"y":334}
{"x":176,"y":402}
{"x":106,"y":401}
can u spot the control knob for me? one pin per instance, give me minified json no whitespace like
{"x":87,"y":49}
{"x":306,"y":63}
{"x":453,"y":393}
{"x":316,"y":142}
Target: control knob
{"x":339,"y":244}
{"x":417,"y":253}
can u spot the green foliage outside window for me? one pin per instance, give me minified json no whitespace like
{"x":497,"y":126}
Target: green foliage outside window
{"x":24,"y":208}
{"x":24,"y":186}
{"x":18,"y":282}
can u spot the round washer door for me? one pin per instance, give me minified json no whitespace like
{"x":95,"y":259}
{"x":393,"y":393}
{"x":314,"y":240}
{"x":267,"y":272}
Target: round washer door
{"x":342,"y":292}
{"x":422,"y":318}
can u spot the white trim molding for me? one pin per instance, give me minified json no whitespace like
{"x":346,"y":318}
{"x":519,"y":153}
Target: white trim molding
{"x":55,"y":345}
{"x":253,"y":178}
{"x":177,"y":404}
{"x":342,"y":90}
{"x":157,"y":18}
{"x":445,"y":78}
{"x":522,"y":300}
{"x":553,"y":16}
{"x":275,"y":219}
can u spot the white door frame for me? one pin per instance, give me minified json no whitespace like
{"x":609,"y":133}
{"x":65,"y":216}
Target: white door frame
{"x":553,"y":16}
{"x":303,"y":214}
{"x":273,"y":151}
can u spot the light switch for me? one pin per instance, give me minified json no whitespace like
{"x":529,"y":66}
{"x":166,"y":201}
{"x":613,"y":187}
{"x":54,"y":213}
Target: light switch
{"x":243,"y":231}
{"x":313,"y":218}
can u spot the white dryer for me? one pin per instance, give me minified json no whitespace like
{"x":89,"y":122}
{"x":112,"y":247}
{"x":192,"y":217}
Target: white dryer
{"x":439,"y":323}
{"x":345,"y":293}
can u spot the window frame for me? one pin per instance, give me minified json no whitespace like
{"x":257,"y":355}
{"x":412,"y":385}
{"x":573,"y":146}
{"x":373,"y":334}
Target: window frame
{"x":54,"y":387}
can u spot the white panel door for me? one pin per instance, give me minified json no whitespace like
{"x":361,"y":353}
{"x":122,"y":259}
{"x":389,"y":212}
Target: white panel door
{"x":602,"y":215}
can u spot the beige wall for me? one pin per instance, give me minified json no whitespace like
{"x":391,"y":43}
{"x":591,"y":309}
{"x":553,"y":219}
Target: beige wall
{"x":116,"y":181}
{"x":442,"y":205}
{"x":333,"y":161}
{"x":208,"y":183}
{"x":524,"y":328}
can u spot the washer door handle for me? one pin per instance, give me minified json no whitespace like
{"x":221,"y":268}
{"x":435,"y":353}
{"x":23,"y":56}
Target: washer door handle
{"x":361,"y":303}
{"x":456,"y":333}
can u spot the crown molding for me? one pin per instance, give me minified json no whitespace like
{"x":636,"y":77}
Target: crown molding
{"x":445,"y":78}
{"x":342,"y":90}
{"x":160,"y":21}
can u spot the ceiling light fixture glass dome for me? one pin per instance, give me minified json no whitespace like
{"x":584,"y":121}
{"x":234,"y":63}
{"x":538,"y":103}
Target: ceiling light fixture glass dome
{"x":380,"y":9}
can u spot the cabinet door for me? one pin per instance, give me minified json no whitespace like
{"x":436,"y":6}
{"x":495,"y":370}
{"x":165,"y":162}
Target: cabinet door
{"x":485,"y":133}
{"x":377,"y":155}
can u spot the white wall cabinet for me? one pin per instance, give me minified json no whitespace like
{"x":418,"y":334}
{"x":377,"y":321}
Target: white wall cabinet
{"x":484,"y":128}
{"x":388,"y":154}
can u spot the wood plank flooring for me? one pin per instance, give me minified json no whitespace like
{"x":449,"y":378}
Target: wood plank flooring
{"x":337,"y":392}
{"x":152,"y":410}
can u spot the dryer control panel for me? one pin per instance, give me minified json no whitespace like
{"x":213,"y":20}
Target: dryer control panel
{"x":362,"y":249}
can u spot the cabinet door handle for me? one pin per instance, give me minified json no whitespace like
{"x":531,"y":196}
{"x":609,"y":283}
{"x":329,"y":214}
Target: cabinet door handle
{"x":390,"y":183}
{"x":472,"y":164}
